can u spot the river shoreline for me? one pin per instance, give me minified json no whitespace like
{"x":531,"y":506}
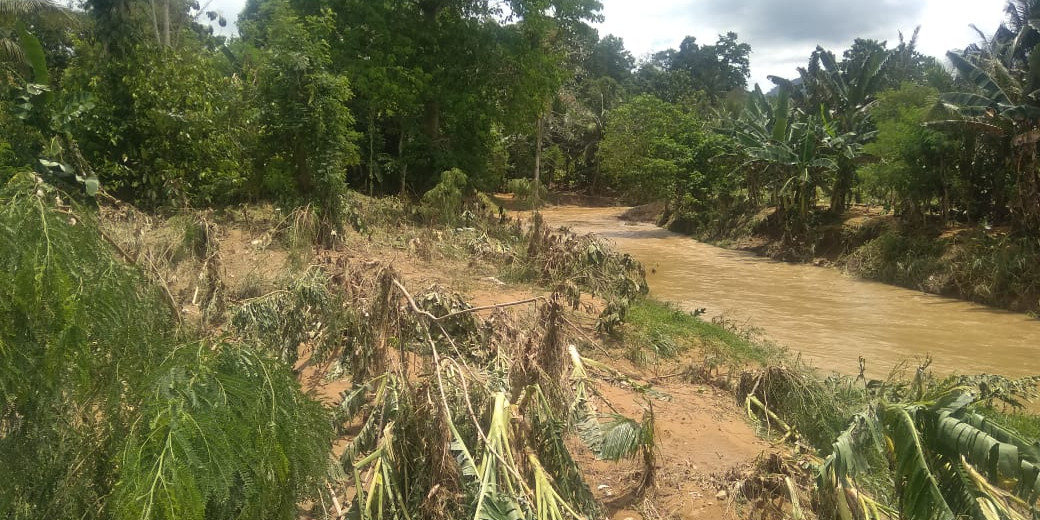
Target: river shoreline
{"x":978,"y":264}
{"x":828,"y":316}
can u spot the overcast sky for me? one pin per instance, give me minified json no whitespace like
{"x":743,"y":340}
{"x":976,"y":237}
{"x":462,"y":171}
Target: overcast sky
{"x":783,"y":33}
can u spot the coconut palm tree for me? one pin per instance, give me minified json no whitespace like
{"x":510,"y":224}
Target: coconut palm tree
{"x":20,"y":50}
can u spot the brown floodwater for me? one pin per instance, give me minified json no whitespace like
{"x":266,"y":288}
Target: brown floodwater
{"x":830,"y":318}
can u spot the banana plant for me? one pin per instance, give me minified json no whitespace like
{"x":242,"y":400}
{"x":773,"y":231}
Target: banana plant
{"x":948,"y":462}
{"x":795,"y":150}
{"x":849,"y":96}
{"x":1005,"y":104}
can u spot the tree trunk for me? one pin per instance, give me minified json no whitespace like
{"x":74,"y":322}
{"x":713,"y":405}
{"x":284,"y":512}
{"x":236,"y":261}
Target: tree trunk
{"x":166,"y":24}
{"x":1027,"y":192}
{"x":538,"y":161}
{"x":301,"y":163}
{"x":155,"y":23}
{"x":371,"y":149}
{"x":402,"y":162}
{"x":842,"y":186}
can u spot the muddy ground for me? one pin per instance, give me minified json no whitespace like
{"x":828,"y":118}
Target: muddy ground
{"x":705,"y":440}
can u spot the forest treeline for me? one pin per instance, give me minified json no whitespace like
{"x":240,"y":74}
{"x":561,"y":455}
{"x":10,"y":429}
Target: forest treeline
{"x":312,"y":98}
{"x":384,"y":96}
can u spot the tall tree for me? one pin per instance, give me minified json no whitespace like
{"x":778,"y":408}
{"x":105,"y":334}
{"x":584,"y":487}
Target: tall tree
{"x":436,"y":80}
{"x":307,"y":134}
{"x":713,"y":70}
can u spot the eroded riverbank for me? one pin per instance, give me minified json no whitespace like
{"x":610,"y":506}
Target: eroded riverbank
{"x":829,"y":318}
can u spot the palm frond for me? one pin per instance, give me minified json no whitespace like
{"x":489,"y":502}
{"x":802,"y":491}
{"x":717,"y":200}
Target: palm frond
{"x":622,"y":438}
{"x":582,"y":415}
{"x":22,"y":8}
{"x":11,"y":52}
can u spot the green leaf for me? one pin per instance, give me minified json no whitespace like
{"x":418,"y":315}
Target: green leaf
{"x":979,"y":78}
{"x":34,"y":54}
{"x":917,"y":486}
{"x":621,"y":438}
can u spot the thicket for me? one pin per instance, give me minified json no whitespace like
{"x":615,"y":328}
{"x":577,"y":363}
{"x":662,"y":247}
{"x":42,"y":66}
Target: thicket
{"x":109,"y":411}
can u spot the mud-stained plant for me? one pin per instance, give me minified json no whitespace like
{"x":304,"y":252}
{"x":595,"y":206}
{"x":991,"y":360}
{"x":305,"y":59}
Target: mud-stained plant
{"x":919,"y":448}
{"x":305,"y":312}
{"x":475,"y":438}
{"x":949,"y":462}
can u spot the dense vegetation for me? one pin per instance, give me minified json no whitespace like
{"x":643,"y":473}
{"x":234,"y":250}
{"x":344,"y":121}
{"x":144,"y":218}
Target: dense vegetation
{"x":385,"y":96}
{"x":111,"y":406}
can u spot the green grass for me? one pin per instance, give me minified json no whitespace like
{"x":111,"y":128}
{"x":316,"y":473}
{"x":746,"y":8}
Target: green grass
{"x":668,"y":331}
{"x":1025,"y":424}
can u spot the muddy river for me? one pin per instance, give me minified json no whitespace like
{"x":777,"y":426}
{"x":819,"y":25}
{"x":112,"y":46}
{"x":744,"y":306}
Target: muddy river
{"x":829,"y":318}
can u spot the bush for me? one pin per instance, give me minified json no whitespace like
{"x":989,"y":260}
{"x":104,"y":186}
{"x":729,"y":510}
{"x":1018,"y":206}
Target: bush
{"x":524,"y":190}
{"x":997,"y":270}
{"x":443,"y":203}
{"x":899,"y":259}
{"x":166,"y":127}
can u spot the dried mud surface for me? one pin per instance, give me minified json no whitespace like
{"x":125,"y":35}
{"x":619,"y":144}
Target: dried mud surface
{"x":702,"y":435}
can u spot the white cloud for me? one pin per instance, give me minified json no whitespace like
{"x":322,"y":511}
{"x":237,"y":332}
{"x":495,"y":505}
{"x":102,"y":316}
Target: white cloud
{"x":782,"y":34}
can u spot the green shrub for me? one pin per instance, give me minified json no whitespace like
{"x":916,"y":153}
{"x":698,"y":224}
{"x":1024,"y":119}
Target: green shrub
{"x":997,"y":270}
{"x":443,"y":203}
{"x":524,"y":190}
{"x":108,"y":411}
{"x":899,"y":259}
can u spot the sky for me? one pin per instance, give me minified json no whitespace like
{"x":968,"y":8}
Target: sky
{"x":782,"y":33}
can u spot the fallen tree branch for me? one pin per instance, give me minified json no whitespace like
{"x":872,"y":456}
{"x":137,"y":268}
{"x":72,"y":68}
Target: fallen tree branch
{"x":171,"y":302}
{"x":444,"y":400}
{"x":494,"y":306}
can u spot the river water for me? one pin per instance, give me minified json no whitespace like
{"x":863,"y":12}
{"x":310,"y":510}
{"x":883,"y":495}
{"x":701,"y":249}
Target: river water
{"x":831,"y":319}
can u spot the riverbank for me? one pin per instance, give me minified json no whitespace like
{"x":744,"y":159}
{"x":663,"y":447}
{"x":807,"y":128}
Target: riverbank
{"x":254,"y":272}
{"x":980,"y":264}
{"x":497,"y":366}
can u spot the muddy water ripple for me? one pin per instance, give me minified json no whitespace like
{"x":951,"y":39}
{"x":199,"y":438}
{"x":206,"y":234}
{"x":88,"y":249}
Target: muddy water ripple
{"x":828,"y":317}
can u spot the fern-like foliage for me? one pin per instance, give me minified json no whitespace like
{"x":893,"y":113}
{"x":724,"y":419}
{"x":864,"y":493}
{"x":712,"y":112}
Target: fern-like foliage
{"x":106,"y":412}
{"x":305,"y":312}
{"x":223,"y":433}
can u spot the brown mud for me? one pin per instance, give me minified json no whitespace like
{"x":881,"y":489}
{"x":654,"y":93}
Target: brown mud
{"x":704,"y":438}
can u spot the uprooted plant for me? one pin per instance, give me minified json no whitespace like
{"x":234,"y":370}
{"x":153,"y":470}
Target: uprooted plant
{"x":917,"y":448}
{"x":481,"y":436}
